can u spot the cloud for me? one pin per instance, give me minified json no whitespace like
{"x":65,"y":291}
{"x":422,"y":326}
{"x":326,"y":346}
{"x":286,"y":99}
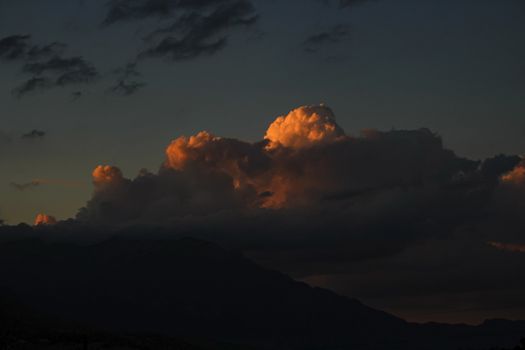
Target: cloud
{"x":127,"y":88}
{"x":14,"y":47}
{"x":34,"y":134}
{"x":306,"y":177}
{"x":26,"y":186}
{"x":39,"y":182}
{"x":19,"y":47}
{"x":45,"y":220}
{"x":107,"y":175}
{"x":516,"y":177}
{"x":76,"y":95}
{"x":196,"y":28}
{"x":126,"y":84}
{"x":66,"y":71}
{"x":46,"y":64}
{"x":303,"y":127}
{"x":325,"y":205}
{"x":50,"y":50}
{"x":31,"y":85}
{"x":333,"y":36}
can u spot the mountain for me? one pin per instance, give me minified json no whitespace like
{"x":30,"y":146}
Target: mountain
{"x":195,"y":289}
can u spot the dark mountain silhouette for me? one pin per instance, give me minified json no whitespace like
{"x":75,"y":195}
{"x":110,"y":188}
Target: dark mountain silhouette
{"x":195,"y":289}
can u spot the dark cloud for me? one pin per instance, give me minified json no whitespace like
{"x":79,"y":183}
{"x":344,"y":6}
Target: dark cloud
{"x":46,"y":51}
{"x":127,"y":88}
{"x":126,"y":83}
{"x":32,"y":85}
{"x":123,"y":10}
{"x":34,"y":134}
{"x":47,"y":64}
{"x":76,"y":95}
{"x":19,"y":47}
{"x":25,"y":186}
{"x":335,"y":35}
{"x":196,"y":27}
{"x":56,"y":72}
{"x":14,"y":47}
{"x":57,"y":65}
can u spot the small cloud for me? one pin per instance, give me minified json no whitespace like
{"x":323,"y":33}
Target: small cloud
{"x":46,"y":51}
{"x":126,"y":84}
{"x":45,"y":220}
{"x":39,"y":182}
{"x":75,"y":95}
{"x":25,"y":186}
{"x":46,"y":64}
{"x":32,"y":85}
{"x":127,"y":88}
{"x":333,"y":36}
{"x":14,"y":47}
{"x":34,"y":134}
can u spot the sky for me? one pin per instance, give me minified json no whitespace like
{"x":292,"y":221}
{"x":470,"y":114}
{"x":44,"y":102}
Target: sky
{"x":455,"y":67}
{"x":91,"y":83}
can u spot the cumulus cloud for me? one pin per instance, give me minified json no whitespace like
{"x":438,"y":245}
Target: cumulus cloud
{"x":516,"y":177}
{"x":45,"y":220}
{"x":106,"y":175}
{"x":303,"y":127}
{"x":318,"y":202}
{"x":311,"y":199}
{"x":306,"y":167}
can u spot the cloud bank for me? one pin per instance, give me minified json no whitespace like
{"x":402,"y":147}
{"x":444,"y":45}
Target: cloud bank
{"x":306,"y":178}
{"x":325,"y":205}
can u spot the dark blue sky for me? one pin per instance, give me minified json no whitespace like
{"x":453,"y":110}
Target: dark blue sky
{"x":456,"y":67}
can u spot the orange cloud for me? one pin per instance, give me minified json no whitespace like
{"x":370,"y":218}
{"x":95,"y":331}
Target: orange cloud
{"x":305,"y":160}
{"x":303,"y":127}
{"x":510,"y":247}
{"x":258,"y":167}
{"x":516,"y":176}
{"x":184,"y":149}
{"x":104,"y":174}
{"x":43,"y":219}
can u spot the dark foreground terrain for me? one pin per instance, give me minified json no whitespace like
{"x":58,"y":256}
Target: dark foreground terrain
{"x":191,"y":294}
